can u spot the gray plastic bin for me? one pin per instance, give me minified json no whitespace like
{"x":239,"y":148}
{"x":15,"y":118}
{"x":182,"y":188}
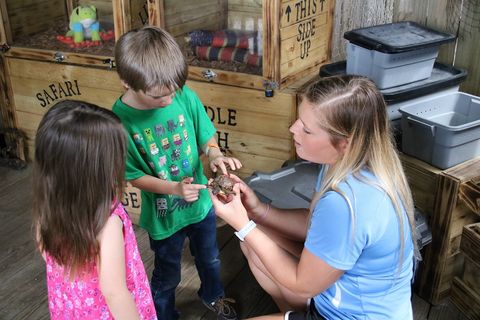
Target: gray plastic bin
{"x":391,"y":70}
{"x":394,"y":54}
{"x":443,"y":131}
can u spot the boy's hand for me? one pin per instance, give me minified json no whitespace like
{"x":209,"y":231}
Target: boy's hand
{"x":188,"y":190}
{"x":221,"y":162}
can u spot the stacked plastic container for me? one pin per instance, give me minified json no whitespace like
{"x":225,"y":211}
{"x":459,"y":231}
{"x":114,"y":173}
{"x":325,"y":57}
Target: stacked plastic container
{"x":433,"y":120}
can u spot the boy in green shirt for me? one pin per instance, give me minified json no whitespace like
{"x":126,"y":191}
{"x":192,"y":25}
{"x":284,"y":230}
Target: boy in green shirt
{"x":165,"y":122}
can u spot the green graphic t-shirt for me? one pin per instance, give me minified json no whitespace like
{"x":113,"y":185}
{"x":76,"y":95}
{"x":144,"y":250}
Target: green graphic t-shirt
{"x":164,"y":143}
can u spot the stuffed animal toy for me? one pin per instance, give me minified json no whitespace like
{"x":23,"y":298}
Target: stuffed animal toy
{"x":85,"y":29}
{"x":84,"y":24}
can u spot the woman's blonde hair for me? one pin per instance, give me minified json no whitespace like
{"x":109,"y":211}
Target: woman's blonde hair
{"x":149,"y":58}
{"x":352,"y":108}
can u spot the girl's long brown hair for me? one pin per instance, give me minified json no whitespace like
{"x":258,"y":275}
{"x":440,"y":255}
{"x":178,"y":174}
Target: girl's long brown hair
{"x":78,"y":171}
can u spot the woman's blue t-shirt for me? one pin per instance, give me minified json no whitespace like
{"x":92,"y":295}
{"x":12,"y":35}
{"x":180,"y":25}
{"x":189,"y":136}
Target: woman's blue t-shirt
{"x":366,"y":245}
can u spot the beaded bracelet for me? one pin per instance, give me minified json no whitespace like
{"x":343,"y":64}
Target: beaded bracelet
{"x":209,"y":146}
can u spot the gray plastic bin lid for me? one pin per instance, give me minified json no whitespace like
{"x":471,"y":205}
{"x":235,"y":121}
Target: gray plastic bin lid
{"x":397,"y":37}
{"x":442,"y":77}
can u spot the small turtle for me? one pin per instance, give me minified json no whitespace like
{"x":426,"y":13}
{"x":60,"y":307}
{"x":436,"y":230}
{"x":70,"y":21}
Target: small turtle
{"x":222,"y":185}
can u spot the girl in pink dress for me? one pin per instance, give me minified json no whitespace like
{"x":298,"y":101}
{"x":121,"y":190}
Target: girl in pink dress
{"x":94,"y":269}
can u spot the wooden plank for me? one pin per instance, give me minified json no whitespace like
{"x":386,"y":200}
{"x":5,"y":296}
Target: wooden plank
{"x":444,"y":15}
{"x":271,"y":41}
{"x":319,"y":23}
{"x":319,"y":56}
{"x":251,"y":299}
{"x":231,"y":263}
{"x":467,"y":300}
{"x":351,"y":15}
{"x":24,"y":15}
{"x":294,"y":12}
{"x":119,"y":23}
{"x":306,"y":36}
{"x":442,"y":261}
{"x":5,"y":31}
{"x":214,"y":95}
{"x":246,"y":21}
{"x":250,"y":6}
{"x":468,"y":50}
{"x":34,"y":94}
{"x":304,"y":51}
{"x":156,"y":14}
{"x":470,"y":195}
{"x":70,"y":57}
{"x":97,"y":78}
{"x":411,"y":10}
{"x":423,"y":179}
{"x":471,"y":274}
{"x":227,"y":77}
{"x":138,"y":14}
{"x":470,"y":245}
{"x":208,"y":21}
{"x":193,"y":15}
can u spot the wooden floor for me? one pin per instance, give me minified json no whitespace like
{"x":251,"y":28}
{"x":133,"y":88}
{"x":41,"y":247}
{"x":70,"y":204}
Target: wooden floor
{"x":23,"y":292}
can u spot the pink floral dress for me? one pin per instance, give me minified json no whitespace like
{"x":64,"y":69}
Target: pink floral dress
{"x":81,"y":298}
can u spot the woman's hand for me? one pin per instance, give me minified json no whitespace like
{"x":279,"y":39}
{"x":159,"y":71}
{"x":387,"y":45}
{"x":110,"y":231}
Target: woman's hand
{"x":232,"y":212}
{"x":255,"y":208}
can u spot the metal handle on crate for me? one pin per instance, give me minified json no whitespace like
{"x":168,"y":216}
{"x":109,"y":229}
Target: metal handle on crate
{"x":110,"y":62}
{"x":59,"y":56}
{"x":209,"y":74}
{"x":423,"y":124}
{"x":4,"y":47}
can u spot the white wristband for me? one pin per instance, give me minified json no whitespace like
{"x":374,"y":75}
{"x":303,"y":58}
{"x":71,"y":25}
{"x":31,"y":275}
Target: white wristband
{"x":242,"y":233}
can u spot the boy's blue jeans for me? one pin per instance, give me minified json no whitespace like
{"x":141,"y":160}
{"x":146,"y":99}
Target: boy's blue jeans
{"x":168,"y":254}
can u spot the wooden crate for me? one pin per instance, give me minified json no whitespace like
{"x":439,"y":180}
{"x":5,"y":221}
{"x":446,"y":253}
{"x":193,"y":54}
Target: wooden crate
{"x":446,"y":197}
{"x":250,"y":126}
{"x":466,"y":288}
{"x":293,"y":37}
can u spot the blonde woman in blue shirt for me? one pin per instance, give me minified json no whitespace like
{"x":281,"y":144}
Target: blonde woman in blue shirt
{"x":351,"y":255}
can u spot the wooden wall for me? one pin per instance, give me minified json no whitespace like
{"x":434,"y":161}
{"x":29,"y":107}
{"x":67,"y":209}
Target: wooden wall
{"x":459,"y":17}
{"x":26,"y":22}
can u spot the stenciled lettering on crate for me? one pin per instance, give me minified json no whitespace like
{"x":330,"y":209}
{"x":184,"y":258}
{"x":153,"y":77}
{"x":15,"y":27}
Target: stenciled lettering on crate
{"x":304,"y":34}
{"x":132,"y":201}
{"x":59,"y":91}
{"x":250,"y":126}
{"x":36,"y":86}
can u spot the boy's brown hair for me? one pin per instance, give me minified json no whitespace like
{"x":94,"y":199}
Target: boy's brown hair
{"x":149,"y":58}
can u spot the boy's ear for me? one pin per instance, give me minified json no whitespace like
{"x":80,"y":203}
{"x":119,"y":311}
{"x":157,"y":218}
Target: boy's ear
{"x":124,"y":84}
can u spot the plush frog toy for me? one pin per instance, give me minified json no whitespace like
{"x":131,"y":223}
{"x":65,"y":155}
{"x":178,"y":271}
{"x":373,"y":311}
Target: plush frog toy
{"x":84,"y":24}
